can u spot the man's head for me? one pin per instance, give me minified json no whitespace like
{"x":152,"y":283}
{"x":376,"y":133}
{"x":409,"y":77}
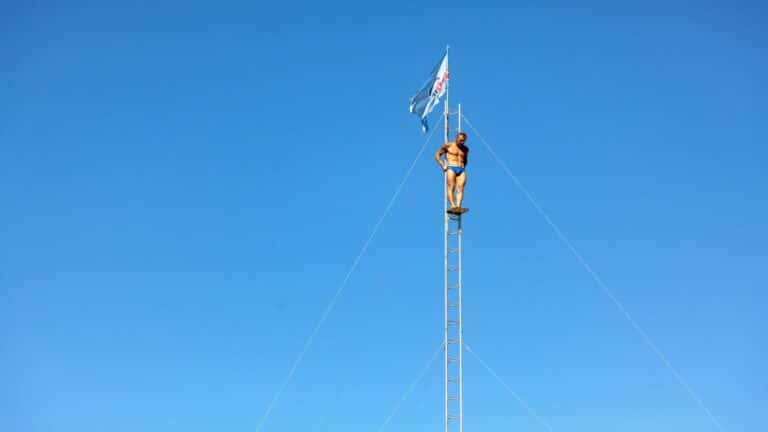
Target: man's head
{"x":461,"y":138}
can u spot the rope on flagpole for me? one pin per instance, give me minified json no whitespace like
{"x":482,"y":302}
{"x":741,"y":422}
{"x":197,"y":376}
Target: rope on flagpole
{"x":332,"y":303}
{"x":514,"y":394}
{"x":607,"y":291}
{"x":411,"y":388}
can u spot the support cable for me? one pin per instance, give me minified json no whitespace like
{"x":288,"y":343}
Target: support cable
{"x":607,"y":291}
{"x":411,"y":388}
{"x":332,"y":303}
{"x":514,"y":394}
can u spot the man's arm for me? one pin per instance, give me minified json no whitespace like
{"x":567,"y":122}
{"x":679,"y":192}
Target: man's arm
{"x":466,"y":157}
{"x":439,"y":154}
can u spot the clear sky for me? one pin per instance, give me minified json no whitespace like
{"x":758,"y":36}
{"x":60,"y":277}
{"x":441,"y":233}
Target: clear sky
{"x":183,"y":187}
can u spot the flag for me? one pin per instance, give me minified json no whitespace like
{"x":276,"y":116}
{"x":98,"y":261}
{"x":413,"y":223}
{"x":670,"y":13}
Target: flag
{"x":429,"y":95}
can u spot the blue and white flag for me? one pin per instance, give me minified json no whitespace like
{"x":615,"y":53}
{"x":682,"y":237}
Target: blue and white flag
{"x":429,"y":95}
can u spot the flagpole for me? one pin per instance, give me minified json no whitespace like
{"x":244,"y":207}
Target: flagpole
{"x":445,"y":255}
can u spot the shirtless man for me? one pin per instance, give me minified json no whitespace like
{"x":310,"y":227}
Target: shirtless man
{"x":456,"y":161}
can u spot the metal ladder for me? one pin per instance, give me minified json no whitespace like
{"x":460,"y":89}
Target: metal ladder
{"x":453,"y":341}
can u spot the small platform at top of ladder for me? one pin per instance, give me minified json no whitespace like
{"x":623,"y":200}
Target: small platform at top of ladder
{"x":457,"y":210}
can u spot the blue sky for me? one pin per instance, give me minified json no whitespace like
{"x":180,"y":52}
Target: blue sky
{"x":184,"y":187}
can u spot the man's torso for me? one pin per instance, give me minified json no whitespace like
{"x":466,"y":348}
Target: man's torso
{"x":455,"y":154}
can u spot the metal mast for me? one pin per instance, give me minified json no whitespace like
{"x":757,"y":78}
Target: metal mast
{"x":453,"y":339}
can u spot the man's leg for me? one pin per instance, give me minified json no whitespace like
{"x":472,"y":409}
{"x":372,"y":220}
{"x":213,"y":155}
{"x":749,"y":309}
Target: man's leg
{"x":450,"y":181}
{"x":461,"y":180}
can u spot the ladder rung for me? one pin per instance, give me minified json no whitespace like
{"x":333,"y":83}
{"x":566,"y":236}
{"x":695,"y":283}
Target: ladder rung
{"x":453,"y":359}
{"x":453,"y":286}
{"x":452,"y":417}
{"x":453,"y":268}
{"x":453,"y":322}
{"x":453,"y":380}
{"x":453,"y":398}
{"x":453,"y":305}
{"x":453,"y":341}
{"x":452,"y":232}
{"x":453,"y":250}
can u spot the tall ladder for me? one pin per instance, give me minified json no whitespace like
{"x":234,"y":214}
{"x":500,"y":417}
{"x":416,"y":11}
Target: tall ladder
{"x":454,"y":335}
{"x":453,"y":339}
